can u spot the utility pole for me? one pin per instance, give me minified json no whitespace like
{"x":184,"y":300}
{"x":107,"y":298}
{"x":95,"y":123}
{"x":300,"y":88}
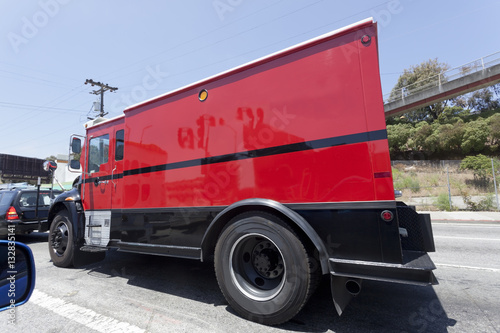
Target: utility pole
{"x":104,"y":87}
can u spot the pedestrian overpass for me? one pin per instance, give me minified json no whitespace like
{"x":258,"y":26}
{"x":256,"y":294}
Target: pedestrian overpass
{"x":457,"y":81}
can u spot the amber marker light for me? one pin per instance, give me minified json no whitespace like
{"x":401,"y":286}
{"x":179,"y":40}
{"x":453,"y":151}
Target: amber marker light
{"x":202,"y":96}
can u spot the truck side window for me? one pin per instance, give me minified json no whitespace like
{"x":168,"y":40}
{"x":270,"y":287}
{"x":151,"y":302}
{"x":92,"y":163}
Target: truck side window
{"x":98,"y":152}
{"x":120,"y":142}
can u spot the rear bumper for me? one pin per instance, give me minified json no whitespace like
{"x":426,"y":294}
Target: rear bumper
{"x":43,"y":226}
{"x":416,"y":269}
{"x":20,"y":227}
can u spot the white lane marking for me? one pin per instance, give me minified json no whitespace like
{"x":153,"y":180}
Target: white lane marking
{"x":81,"y":315}
{"x":470,"y":267}
{"x":447,"y":224}
{"x":469,"y":238}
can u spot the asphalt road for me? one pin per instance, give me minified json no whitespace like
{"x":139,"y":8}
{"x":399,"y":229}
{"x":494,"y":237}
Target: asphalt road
{"x":138,"y":293}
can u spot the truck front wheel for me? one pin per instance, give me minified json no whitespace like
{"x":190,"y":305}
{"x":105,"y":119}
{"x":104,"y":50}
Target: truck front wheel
{"x":61,"y":240}
{"x":263,"y":269}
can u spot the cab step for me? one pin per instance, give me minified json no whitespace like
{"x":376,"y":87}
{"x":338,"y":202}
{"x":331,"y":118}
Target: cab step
{"x":88,"y":248}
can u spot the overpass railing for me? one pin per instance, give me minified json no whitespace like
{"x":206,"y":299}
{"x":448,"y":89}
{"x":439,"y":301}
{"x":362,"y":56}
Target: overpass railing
{"x":443,"y":77}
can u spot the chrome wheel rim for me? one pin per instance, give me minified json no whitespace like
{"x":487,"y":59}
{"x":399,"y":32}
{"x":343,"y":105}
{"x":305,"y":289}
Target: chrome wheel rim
{"x":257,"y":267}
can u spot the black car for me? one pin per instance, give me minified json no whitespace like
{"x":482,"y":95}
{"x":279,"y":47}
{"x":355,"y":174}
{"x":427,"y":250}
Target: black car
{"x":18,"y":210}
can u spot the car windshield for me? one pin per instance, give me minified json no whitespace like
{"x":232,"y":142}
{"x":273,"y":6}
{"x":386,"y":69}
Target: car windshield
{"x":28,"y":199}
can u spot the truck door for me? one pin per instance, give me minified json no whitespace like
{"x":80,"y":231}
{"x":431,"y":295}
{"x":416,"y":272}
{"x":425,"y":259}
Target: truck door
{"x":98,"y":194}
{"x":98,"y":189}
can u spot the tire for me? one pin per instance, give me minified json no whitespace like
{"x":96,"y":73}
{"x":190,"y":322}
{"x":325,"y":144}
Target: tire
{"x":263,"y":269}
{"x":61,"y":240}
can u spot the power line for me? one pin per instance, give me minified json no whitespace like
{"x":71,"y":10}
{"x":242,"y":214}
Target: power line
{"x":35,"y":107}
{"x":22,"y":77}
{"x":262,"y":47}
{"x":241,"y":33}
{"x":189,"y":41}
{"x":10,"y":65}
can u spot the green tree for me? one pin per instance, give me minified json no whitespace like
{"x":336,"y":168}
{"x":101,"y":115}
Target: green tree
{"x":483,"y":100}
{"x":480,"y":165}
{"x":398,"y":136}
{"x":475,"y":136}
{"x":422,"y":131}
{"x":494,"y":126}
{"x":451,"y":136}
{"x":432,"y":142}
{"x":452,"y":114}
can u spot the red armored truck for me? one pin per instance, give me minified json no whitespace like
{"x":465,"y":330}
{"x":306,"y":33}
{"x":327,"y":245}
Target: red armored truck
{"x":277,"y":170}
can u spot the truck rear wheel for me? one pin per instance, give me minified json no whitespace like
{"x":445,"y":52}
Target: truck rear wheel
{"x":263,"y":268}
{"x":61,"y":240}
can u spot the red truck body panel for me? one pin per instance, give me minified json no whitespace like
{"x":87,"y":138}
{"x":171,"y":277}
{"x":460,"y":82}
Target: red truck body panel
{"x":301,"y":126}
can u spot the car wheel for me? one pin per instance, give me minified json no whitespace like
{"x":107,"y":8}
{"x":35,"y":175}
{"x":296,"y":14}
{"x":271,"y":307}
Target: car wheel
{"x":61,"y":240}
{"x":263,"y":269}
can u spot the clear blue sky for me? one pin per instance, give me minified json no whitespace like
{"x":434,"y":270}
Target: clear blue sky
{"x":146,"y":48}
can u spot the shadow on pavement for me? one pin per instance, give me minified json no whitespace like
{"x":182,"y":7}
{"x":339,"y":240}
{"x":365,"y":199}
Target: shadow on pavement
{"x":380,"y":306}
{"x":34,"y":237}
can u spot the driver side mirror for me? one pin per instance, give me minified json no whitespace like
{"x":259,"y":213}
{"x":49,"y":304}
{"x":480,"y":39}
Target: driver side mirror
{"x":17,"y":275}
{"x":76,"y":146}
{"x":74,"y":154}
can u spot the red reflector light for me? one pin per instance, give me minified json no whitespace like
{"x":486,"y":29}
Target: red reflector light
{"x":387,"y":216}
{"x":12,"y":214}
{"x":382,"y":174}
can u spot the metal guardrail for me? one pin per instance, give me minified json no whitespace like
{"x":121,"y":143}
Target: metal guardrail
{"x":446,"y":76}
